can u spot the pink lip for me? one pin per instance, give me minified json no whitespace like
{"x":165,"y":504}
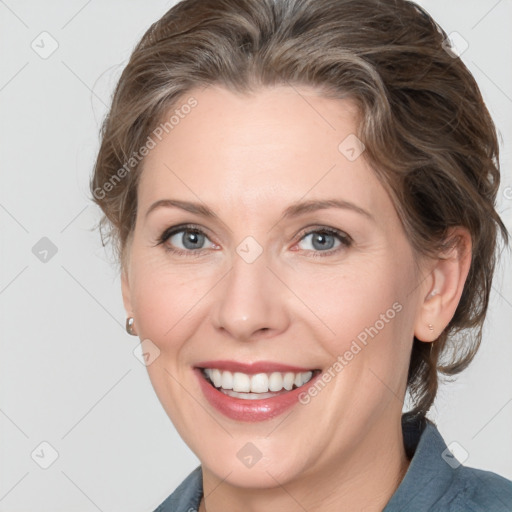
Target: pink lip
{"x":251,"y":410}
{"x":251,"y":368}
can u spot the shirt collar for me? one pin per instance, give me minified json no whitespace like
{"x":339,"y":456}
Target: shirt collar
{"x":429,"y":474}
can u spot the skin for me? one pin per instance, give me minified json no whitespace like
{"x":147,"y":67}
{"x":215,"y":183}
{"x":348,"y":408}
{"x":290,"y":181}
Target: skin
{"x":248,"y":158}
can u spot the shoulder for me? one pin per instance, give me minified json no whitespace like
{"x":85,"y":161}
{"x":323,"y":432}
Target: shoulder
{"x":479,"y":490}
{"x":436,"y":481}
{"x":187,"y":496}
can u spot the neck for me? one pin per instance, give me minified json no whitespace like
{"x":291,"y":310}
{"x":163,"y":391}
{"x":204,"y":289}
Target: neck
{"x":365,"y":479}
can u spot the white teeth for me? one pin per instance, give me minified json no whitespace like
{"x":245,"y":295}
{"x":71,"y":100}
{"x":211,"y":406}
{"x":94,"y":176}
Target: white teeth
{"x":260,"y":383}
{"x":288,"y":380}
{"x":247,"y":396}
{"x":241,"y":382}
{"x":216,"y":377}
{"x":276,"y":381}
{"x":227,"y":380}
{"x":306,"y":377}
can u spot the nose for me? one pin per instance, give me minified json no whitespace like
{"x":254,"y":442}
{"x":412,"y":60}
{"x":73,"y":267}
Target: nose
{"x":251,"y":302}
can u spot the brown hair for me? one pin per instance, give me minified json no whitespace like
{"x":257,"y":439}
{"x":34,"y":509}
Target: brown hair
{"x":428,"y":134}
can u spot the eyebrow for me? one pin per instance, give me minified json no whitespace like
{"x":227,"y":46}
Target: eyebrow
{"x":293,"y":210}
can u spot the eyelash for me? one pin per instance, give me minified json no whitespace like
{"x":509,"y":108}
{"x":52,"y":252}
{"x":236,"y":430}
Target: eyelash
{"x":345,"y":240}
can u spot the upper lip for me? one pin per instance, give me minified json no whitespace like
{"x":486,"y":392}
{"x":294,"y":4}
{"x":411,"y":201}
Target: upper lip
{"x":252,"y":368}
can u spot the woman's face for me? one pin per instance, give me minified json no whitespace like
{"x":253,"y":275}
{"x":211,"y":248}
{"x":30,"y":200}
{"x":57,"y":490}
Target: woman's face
{"x":241,"y":279}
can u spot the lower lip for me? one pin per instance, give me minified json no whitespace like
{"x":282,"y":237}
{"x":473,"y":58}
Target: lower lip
{"x":250,"y":410}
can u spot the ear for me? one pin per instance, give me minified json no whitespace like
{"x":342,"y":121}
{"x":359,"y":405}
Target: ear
{"x":444,"y":286}
{"x":127,"y":299}
{"x":125,"y":289}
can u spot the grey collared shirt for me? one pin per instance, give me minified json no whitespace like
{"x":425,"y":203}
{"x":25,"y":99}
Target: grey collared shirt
{"x":435,"y":480}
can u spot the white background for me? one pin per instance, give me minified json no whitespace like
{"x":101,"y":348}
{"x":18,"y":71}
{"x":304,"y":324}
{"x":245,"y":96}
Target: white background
{"x":68,"y":373}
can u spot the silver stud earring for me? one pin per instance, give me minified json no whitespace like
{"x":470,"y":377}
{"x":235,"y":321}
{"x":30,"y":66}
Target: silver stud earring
{"x":129,"y":326}
{"x":431,"y":327}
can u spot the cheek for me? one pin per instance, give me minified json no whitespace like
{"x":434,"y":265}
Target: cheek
{"x":164,"y":302}
{"x":350,"y":302}
{"x":365,"y":317}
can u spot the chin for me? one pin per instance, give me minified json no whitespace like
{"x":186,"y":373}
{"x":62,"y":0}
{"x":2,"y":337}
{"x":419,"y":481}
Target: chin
{"x":268,"y":472}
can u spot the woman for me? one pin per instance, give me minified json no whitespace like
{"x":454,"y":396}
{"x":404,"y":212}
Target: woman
{"x":302,"y":195}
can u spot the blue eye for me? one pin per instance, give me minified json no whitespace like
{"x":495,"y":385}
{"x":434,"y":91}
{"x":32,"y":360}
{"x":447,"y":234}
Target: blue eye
{"x":324,"y":241}
{"x":186,"y":240}
{"x":189,"y":240}
{"x":321,"y":241}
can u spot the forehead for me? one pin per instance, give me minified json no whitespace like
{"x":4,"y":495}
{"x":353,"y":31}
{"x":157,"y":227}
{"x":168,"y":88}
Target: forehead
{"x":272,"y":147}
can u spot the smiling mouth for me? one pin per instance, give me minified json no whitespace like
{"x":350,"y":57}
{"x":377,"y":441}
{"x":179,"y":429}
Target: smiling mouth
{"x":256,"y":386}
